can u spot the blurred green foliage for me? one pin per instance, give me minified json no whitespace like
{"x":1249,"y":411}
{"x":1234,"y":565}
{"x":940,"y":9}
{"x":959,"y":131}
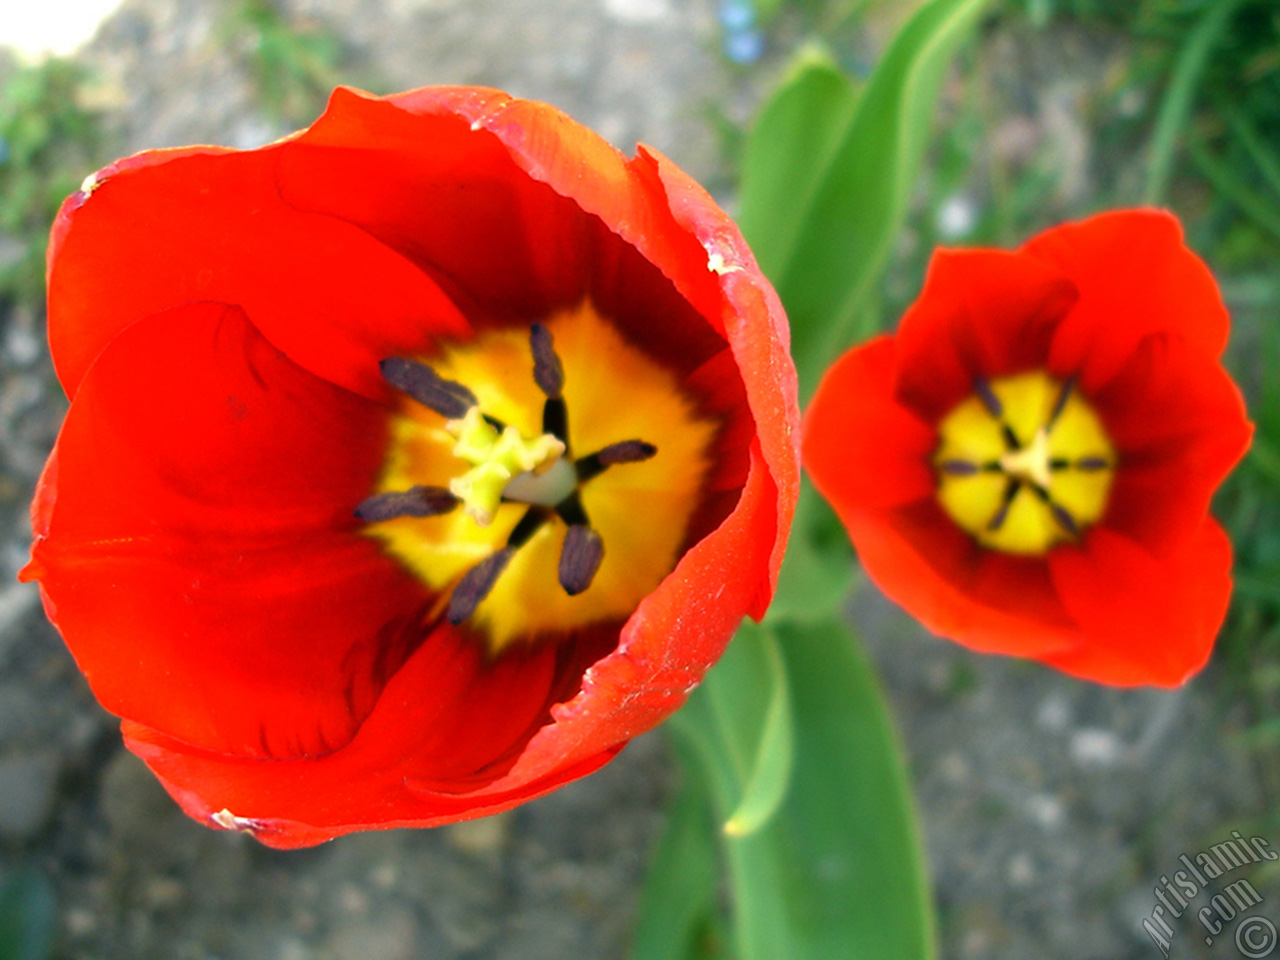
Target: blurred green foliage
{"x":294,"y":62}
{"x":47,"y":145}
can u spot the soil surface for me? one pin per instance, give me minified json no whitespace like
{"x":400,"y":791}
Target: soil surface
{"x":1051,"y":808}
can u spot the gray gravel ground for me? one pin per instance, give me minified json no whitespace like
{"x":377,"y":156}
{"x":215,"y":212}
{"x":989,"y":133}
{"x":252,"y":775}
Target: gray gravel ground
{"x":1051,"y":808}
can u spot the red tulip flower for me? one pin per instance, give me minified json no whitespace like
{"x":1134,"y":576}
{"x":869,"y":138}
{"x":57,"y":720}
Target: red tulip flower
{"x":1026,"y":466}
{"x":414,"y":462}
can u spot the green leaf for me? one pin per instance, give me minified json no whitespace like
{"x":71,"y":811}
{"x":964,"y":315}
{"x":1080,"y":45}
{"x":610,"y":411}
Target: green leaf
{"x":827,"y":177}
{"x":1180,"y":96}
{"x":28,"y":916}
{"x":838,"y":871}
{"x":679,"y":907}
{"x":1231,"y":188}
{"x":738,"y":724}
{"x":789,"y":152}
{"x":769,"y":772}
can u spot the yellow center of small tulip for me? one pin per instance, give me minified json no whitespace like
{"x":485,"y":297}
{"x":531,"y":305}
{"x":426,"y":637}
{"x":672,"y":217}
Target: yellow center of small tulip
{"x":539,"y":480}
{"x":1024,"y":463}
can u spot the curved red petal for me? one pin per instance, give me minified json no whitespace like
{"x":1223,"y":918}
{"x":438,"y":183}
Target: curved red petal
{"x":869,"y":457}
{"x":751,"y":317}
{"x":1178,"y":422}
{"x":863,"y":449}
{"x":506,"y":209}
{"x":981,"y":314}
{"x":197,"y":535}
{"x":1136,"y":277}
{"x":1143,"y":619}
{"x":449,"y":719}
{"x":986,"y":600}
{"x":174,"y":227}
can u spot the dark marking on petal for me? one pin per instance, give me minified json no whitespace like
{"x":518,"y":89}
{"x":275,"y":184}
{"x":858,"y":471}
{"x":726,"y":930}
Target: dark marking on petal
{"x":988,"y":397}
{"x":1092,"y":463}
{"x":1010,"y":438}
{"x":1065,"y":520}
{"x":1006,"y":501}
{"x":548,"y":372}
{"x":445,"y":397}
{"x":1067,"y":386}
{"x":1059,"y":463}
{"x":580,"y":558}
{"x":476,"y":584}
{"x":415,"y":502}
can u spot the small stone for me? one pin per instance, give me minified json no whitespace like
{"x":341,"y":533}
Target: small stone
{"x":1022,"y":871}
{"x":1096,"y":748}
{"x":1046,"y":810}
{"x":385,"y":875}
{"x":354,"y":900}
{"x":1054,"y":713}
{"x":486,"y":835}
{"x":638,"y":11}
{"x":392,"y":935}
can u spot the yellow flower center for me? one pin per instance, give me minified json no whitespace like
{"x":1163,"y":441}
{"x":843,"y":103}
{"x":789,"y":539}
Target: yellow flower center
{"x":1024,"y":463}
{"x":554,"y":491}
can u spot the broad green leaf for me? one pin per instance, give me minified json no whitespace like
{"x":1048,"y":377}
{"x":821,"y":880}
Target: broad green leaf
{"x":766,"y":779}
{"x":788,"y":154}
{"x":739,"y":725}
{"x":827,"y":180}
{"x":837,"y":872}
{"x":679,"y":908}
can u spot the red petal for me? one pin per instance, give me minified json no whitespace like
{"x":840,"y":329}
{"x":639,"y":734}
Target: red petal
{"x":863,"y":449}
{"x":982,"y":313}
{"x":511,"y":208}
{"x":1178,"y":422}
{"x":989,"y":601}
{"x":753,"y":321}
{"x":1144,"y":620}
{"x":869,"y":456}
{"x":448,"y":719}
{"x":172,"y":227}
{"x":1136,"y":277}
{"x":197,"y":535}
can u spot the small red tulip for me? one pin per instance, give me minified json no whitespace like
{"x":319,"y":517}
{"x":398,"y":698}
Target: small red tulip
{"x":415,"y":462}
{"x":1026,"y":466}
